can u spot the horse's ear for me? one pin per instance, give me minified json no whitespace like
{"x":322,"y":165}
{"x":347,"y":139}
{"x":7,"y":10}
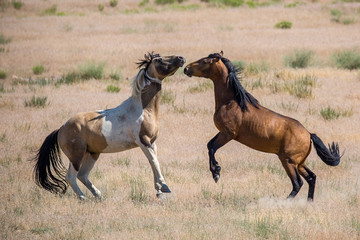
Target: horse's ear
{"x":221,"y":53}
{"x":214,"y":59}
{"x":147,"y":57}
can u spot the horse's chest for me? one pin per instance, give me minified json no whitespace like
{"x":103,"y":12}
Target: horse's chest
{"x":227,"y":117}
{"x":121,"y":129}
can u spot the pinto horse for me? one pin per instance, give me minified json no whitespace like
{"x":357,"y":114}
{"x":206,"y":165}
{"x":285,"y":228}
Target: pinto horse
{"x":239,"y":116}
{"x":134,"y":123}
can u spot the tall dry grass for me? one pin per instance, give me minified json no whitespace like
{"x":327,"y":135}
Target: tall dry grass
{"x":249,"y":200}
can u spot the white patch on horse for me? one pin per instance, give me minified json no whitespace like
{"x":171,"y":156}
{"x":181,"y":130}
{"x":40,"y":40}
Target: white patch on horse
{"x":121,"y":125}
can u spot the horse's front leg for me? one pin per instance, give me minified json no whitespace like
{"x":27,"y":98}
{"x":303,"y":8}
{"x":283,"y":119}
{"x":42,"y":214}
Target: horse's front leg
{"x":213,"y":145}
{"x":151,"y":154}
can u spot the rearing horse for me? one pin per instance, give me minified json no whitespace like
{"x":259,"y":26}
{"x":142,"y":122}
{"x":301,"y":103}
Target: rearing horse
{"x":239,"y":116}
{"x":134,"y":123}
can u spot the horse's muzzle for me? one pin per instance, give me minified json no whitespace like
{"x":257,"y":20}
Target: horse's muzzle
{"x":181,"y":60}
{"x":187,"y":71}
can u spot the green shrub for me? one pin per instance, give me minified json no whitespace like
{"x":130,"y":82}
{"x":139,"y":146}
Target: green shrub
{"x":299,"y":59}
{"x":329,"y":113}
{"x":115,"y":76}
{"x":294,"y":4}
{"x":301,"y":87}
{"x":69,"y":78}
{"x":38,"y":69}
{"x":251,"y":4}
{"x":335,"y":15}
{"x":201,"y":87}
{"x":168,"y":97}
{"x":283,"y":25}
{"x":113,"y":3}
{"x":17,"y":4}
{"x":240,"y":65}
{"x":50,"y":11}
{"x":4,"y":40}
{"x":143,"y":3}
{"x":256,"y":68}
{"x":347,"y":59}
{"x":347,"y":20}
{"x":36,"y":102}
{"x":233,"y":3}
{"x":138,"y":190}
{"x":230,"y":3}
{"x":41,"y":230}
{"x":163,"y":2}
{"x":113,"y":89}
{"x":3,"y":74}
{"x":91,"y":70}
{"x":101,"y":7}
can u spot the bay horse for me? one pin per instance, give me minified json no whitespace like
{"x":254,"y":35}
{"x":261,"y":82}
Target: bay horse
{"x":134,"y":123}
{"x":239,"y":116}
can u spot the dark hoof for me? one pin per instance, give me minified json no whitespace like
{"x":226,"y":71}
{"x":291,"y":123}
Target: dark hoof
{"x":165,"y":189}
{"x":216,"y":178}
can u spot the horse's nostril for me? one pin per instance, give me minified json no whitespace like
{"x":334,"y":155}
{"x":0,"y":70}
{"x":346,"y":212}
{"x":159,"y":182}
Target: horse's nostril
{"x":181,"y":58}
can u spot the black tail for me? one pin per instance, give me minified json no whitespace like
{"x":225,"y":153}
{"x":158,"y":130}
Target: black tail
{"x":48,"y":161}
{"x":329,"y":156}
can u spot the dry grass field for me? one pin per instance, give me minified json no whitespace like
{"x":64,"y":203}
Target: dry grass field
{"x":249,"y":201}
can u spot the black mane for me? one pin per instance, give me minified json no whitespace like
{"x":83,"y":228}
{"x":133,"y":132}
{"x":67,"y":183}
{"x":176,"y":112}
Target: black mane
{"x":242,"y":97}
{"x":147,"y":60}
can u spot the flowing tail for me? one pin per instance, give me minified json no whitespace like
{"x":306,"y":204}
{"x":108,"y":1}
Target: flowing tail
{"x":49,"y":170}
{"x":329,"y":156}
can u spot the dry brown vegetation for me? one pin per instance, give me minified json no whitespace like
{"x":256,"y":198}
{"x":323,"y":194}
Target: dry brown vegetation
{"x":249,"y":200}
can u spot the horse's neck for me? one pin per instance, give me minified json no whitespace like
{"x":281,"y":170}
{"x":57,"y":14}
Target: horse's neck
{"x":223,"y":94}
{"x":150,"y":98}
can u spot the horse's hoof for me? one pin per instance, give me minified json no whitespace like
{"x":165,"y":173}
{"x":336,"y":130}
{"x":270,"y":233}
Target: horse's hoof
{"x":161,"y":196}
{"x":216,"y":178}
{"x":165,"y":189}
{"x":82,"y":198}
{"x":99,"y":198}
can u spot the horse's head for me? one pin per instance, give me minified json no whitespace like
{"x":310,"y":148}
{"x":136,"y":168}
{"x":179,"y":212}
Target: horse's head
{"x":160,"y":67}
{"x":204,"y":67}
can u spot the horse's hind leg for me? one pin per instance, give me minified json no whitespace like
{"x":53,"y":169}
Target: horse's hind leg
{"x":83,"y":174}
{"x":71,"y":176}
{"x":294,"y":176}
{"x":310,"y":178}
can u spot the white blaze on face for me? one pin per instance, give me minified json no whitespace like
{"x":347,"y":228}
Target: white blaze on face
{"x":121,"y":125}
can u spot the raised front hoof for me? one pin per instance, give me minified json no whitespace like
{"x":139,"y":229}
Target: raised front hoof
{"x":216,"y":178}
{"x":165,"y":189}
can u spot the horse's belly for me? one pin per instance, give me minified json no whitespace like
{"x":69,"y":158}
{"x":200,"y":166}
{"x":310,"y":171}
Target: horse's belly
{"x":119,"y":137}
{"x":119,"y":146}
{"x":260,"y":144}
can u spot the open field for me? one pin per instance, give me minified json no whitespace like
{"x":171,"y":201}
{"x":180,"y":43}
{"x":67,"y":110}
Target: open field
{"x":249,"y":201}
